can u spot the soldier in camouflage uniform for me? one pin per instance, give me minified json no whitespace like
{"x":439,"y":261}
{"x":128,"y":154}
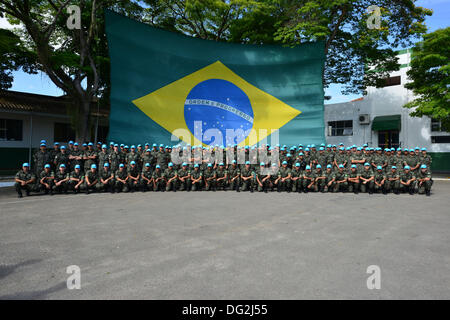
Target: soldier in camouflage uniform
{"x":425,"y":158}
{"x":106,"y":176}
{"x":412,"y":160}
{"x":407,"y":181}
{"x":147,"y":157}
{"x":184,"y":178}
{"x":25,"y":180}
{"x":134,"y":174}
{"x":262,"y":178}
{"x":61,"y":181}
{"x":89,"y":157}
{"x":196,"y":178}
{"x":320,"y":181}
{"x":76,"y":179}
{"x":159,"y":183}
{"x":147,"y":177}
{"x":424,"y":181}
{"x":221,"y":177}
{"x":76,"y":156}
{"x":46,"y":179}
{"x":340,"y":180}
{"x":234,"y":176}
{"x":53,"y":152}
{"x":322,"y":158}
{"x":171,"y":177}
{"x":115,"y":158}
{"x":379,"y":180}
{"x":283,"y":182}
{"x":297,"y":178}
{"x":133,"y":156}
{"x":91,"y":180}
{"x":247,"y":177}
{"x":367,"y":179}
{"x":41,"y":158}
{"x":121,"y":179}
{"x":392,"y":182}
{"x":309,"y":177}
{"x":209,"y":176}
{"x":353,"y":179}
{"x":62,"y":158}
{"x":103,"y":156}
{"x":329,"y":178}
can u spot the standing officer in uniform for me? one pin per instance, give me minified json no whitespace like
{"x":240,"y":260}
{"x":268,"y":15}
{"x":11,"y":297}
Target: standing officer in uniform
{"x":106,"y":179}
{"x":424,"y":180}
{"x":121,"y":177}
{"x":41,"y":157}
{"x":46,"y":179}
{"x":115,"y":158}
{"x":61,"y":179}
{"x":197,"y":178}
{"x":62,"y":158}
{"x":103,"y":156}
{"x":76,"y":156}
{"x":25,"y":180}
{"x":76,"y":179}
{"x":89,"y":157}
{"x":147,"y":176}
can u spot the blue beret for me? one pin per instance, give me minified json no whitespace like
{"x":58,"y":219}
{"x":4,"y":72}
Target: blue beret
{"x":25,"y":164}
{"x":77,"y":166}
{"x":93,"y":166}
{"x":47,"y":166}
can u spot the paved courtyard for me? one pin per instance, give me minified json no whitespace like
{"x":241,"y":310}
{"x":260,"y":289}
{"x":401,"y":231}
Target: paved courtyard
{"x":225,"y":245}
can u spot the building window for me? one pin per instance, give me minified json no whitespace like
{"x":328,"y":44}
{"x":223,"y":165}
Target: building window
{"x":11,"y":130}
{"x":63,"y":132}
{"x":340,"y":128}
{"x":440,"y":139}
{"x":436,"y":125}
{"x":393,"y":81}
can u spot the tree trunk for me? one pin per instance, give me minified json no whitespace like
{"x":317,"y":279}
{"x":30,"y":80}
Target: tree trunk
{"x":83,"y":132}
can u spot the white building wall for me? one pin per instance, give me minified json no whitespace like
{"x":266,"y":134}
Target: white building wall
{"x":42,"y":128}
{"x":381,"y":102}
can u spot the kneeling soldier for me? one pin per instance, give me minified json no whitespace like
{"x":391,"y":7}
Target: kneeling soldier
{"x":320,"y":181}
{"x":407,"y":181}
{"x":424,"y":180}
{"x":158,"y":179}
{"x":296,"y":177}
{"x":234,"y":175}
{"x":329,"y":174}
{"x":379,"y":180}
{"x":106,"y":179}
{"x":76,"y":179}
{"x":171,"y":178}
{"x":25,"y":180}
{"x":367,"y":178}
{"x":91,"y":180}
{"x":133,"y":176}
{"x":147,"y":177}
{"x":184,"y":177}
{"x":221,"y":177}
{"x":197,"y":178}
{"x":284,"y":178}
{"x":392,"y":182}
{"x":121,"y":177}
{"x":341,"y":180}
{"x":353,"y":179}
{"x":209,"y":175}
{"x":309,"y":177}
{"x":46,"y":179}
{"x":262,"y":178}
{"x":247,"y":177}
{"x":61,"y":179}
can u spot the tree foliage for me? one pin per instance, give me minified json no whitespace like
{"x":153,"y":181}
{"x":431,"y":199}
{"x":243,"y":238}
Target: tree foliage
{"x":430,"y":77}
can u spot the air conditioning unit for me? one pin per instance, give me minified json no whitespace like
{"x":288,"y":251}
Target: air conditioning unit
{"x":364,"y":119}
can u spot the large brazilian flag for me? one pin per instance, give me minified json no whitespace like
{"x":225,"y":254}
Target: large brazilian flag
{"x":166,"y":86}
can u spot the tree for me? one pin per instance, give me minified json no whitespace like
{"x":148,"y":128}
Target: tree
{"x":13,"y":56}
{"x":356,"y":56}
{"x":76,"y":60}
{"x":430,"y":77}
